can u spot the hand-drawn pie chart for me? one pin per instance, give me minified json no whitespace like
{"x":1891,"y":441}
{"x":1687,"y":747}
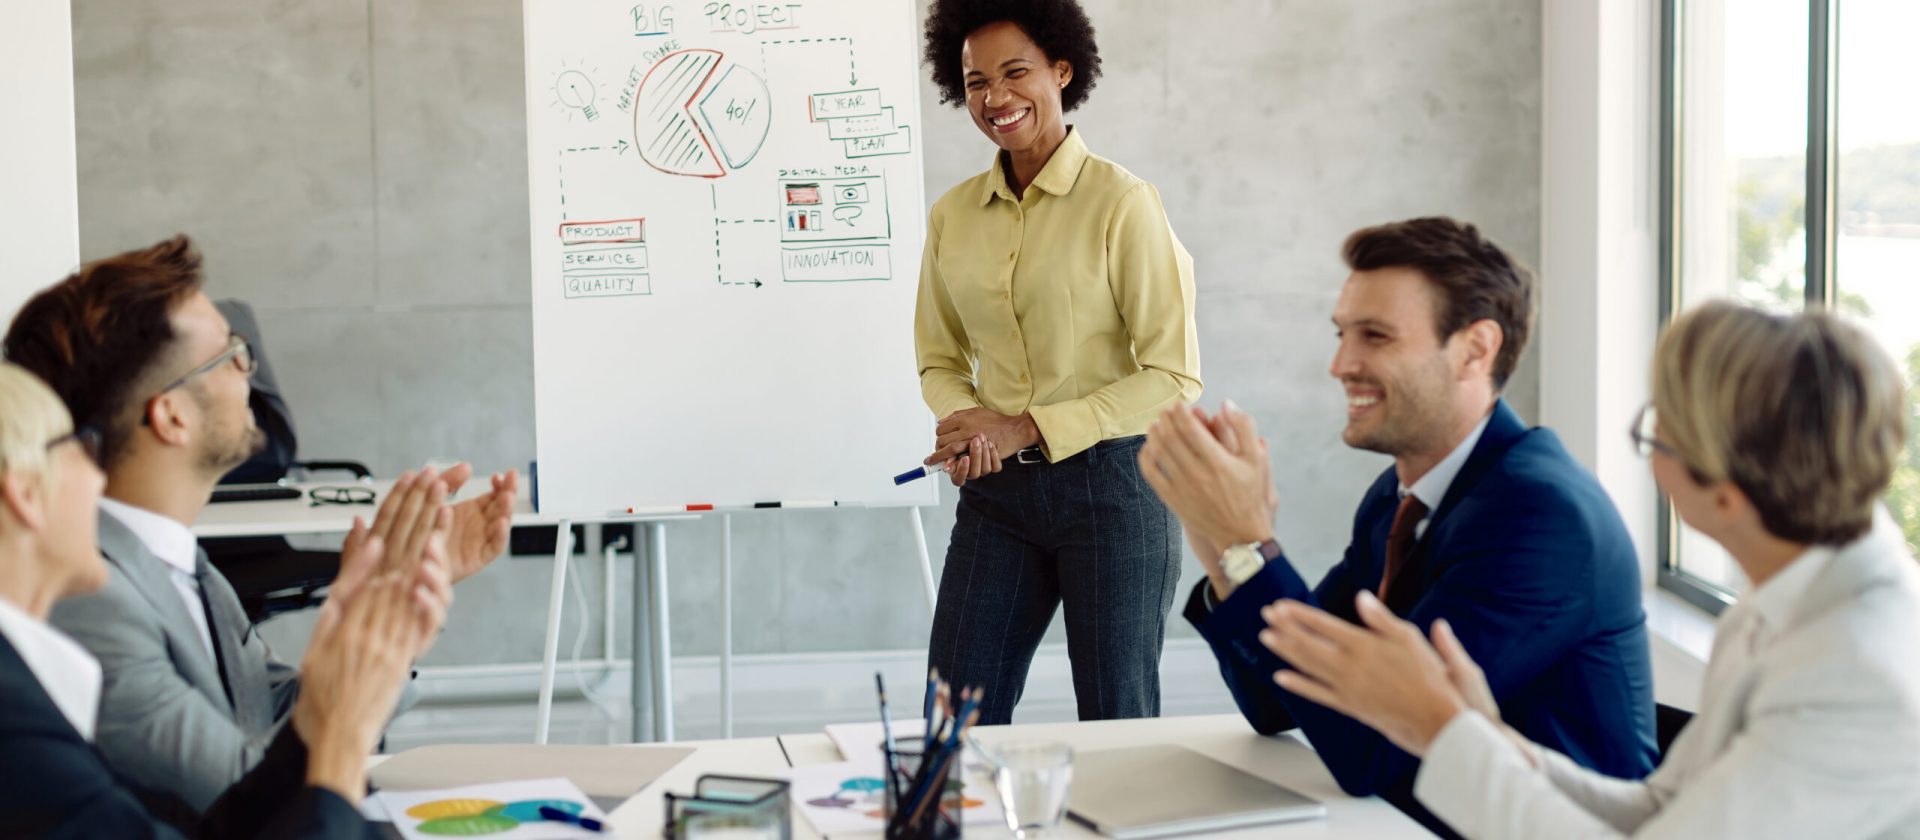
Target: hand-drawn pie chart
{"x":699,"y":115}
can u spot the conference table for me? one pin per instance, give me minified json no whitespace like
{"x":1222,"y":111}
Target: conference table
{"x":1285,"y":760}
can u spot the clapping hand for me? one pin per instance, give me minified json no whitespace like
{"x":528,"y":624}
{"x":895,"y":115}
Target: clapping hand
{"x":413,"y":509}
{"x":356,"y":663}
{"x":1382,"y":673}
{"x":480,"y":527}
{"x":476,"y":533}
{"x":1214,"y":474}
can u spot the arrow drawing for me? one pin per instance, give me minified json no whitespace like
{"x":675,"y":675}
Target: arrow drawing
{"x":719,"y":272}
{"x":853,"y":70}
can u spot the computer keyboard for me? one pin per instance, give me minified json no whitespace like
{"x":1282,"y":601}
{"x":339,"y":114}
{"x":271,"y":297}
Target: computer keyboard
{"x":254,"y":493}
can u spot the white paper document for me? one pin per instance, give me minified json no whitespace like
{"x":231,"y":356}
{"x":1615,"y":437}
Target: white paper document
{"x":504,"y":811}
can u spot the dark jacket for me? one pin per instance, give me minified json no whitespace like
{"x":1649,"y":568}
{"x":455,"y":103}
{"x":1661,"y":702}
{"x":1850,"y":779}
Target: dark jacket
{"x":1528,"y":559}
{"x":53,"y":784}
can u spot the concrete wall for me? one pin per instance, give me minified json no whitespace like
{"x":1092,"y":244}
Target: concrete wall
{"x":324,"y":150}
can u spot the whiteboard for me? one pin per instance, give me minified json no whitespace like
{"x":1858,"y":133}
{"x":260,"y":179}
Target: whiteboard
{"x":727,"y":221}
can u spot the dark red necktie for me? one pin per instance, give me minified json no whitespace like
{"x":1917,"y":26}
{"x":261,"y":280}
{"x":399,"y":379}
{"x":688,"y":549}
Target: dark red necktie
{"x":1400,"y":539}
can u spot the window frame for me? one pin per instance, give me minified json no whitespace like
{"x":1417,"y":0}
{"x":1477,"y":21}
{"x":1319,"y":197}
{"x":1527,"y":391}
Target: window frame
{"x":1821,"y":211}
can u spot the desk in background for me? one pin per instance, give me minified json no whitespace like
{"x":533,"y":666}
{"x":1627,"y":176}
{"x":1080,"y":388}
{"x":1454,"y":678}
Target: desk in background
{"x":652,"y":698}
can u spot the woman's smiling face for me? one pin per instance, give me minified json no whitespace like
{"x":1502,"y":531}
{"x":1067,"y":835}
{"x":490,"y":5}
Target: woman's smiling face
{"x":1013,"y":91}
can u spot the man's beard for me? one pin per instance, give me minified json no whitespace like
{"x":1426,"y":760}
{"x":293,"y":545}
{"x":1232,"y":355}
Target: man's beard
{"x":1416,"y":415}
{"x":227,"y":450}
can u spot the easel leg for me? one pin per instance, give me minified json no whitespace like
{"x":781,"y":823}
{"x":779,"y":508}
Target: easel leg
{"x":642,"y":629}
{"x":662,"y":646}
{"x":726,"y":625}
{"x":562,"y":548}
{"x":926,"y":559}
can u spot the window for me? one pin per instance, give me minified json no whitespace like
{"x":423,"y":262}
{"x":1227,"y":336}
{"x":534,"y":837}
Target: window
{"x":1791,"y":171}
{"x":1876,"y":269}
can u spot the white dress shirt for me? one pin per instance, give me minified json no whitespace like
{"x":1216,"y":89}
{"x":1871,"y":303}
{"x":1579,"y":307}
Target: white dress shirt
{"x":175,"y":545}
{"x":1809,"y":725}
{"x":1432,"y":487}
{"x":69,"y":674}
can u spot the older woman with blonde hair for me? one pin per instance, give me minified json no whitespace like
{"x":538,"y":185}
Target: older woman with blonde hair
{"x":52,"y":782}
{"x":1775,"y":436}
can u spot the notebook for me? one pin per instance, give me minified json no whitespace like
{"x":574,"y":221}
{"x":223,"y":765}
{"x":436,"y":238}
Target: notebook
{"x":1157,"y":791}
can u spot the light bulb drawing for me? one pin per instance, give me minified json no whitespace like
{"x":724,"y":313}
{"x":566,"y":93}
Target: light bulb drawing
{"x":574,"y":90}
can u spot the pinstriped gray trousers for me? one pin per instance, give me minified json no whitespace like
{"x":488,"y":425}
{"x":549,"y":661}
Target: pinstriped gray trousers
{"x":1086,"y":533}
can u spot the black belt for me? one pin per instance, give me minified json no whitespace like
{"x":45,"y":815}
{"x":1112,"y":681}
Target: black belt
{"x":1032,"y":454}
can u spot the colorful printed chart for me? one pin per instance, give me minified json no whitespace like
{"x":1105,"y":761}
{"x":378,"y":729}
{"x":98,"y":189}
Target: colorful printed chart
{"x":475,"y":817}
{"x":508,"y":811}
{"x":850,"y":797}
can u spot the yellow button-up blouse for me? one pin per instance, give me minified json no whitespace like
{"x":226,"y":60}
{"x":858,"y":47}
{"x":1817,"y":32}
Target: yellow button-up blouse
{"x":1074,"y":303}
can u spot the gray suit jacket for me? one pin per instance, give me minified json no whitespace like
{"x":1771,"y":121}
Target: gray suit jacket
{"x":166,"y":723}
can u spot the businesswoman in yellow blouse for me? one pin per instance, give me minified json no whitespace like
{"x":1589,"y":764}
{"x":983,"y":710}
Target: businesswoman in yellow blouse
{"x":1055,"y":320}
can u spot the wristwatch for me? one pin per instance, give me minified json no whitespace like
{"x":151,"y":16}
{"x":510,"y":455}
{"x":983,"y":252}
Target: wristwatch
{"x":1240,"y":562}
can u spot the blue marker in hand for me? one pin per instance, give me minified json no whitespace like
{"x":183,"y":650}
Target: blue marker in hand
{"x":918,"y":473}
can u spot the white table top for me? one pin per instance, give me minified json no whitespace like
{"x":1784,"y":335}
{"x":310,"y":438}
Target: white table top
{"x":1284,"y":760}
{"x":645,"y":813}
{"x":301,"y":516}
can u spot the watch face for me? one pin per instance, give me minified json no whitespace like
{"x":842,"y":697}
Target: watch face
{"x":1240,"y":562}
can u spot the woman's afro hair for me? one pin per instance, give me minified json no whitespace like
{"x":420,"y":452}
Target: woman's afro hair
{"x":1058,"y":27}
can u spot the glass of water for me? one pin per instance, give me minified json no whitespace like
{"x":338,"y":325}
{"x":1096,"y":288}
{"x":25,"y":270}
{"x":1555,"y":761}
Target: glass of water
{"x":1031,"y":778}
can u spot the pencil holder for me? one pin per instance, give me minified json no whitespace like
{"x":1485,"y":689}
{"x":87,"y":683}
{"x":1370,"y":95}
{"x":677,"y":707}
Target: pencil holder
{"x":733,"y":807}
{"x":922,"y":806}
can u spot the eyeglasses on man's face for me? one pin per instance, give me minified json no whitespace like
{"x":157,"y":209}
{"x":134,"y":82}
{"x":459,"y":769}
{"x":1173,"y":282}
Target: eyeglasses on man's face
{"x":238,"y":353}
{"x":1642,"y":434}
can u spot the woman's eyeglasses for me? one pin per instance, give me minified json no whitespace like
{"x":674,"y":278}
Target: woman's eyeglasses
{"x":89,"y":439}
{"x":341,"y":496}
{"x":1644,"y":441}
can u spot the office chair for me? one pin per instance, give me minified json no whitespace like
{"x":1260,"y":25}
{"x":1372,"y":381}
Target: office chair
{"x":267,"y":572}
{"x":1667,"y":723}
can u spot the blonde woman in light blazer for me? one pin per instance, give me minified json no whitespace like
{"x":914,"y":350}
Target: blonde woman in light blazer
{"x":1775,"y":436}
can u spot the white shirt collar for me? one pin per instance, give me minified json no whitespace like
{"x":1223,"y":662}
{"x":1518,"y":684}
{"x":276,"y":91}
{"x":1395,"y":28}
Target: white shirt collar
{"x":69,"y":674}
{"x":1775,"y":600}
{"x":1432,"y":487}
{"x":167,"y":539}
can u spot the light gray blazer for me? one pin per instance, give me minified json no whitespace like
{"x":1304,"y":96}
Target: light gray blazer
{"x":165,"y":721}
{"x":1816,"y":736}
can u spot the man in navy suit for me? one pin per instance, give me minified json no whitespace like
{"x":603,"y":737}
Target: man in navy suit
{"x":1481,"y":521}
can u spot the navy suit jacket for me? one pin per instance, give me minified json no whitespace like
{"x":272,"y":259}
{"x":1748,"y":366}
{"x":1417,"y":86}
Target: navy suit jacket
{"x":1529,"y":561}
{"x":53,"y":783}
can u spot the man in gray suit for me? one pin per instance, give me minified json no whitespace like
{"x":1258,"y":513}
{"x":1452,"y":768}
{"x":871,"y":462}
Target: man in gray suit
{"x":192,"y":696}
